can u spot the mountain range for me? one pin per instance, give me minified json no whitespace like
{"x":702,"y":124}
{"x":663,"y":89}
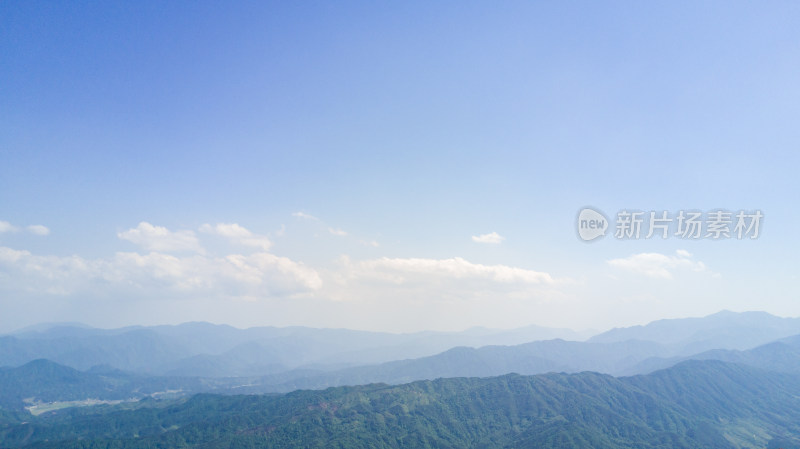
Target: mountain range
{"x":135,"y":363}
{"x":208,"y":350}
{"x":695,"y":404}
{"x":728,"y":380}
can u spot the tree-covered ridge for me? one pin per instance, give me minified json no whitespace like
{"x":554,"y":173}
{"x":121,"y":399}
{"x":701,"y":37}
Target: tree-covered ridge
{"x":46,"y":381}
{"x":693,"y":405}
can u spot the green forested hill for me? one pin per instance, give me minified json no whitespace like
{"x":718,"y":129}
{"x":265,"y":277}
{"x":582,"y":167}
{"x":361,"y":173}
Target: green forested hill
{"x":44,"y":381}
{"x":693,"y":405}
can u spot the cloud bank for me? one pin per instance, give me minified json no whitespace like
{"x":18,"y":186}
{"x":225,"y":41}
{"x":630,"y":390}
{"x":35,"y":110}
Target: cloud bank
{"x":164,"y":268}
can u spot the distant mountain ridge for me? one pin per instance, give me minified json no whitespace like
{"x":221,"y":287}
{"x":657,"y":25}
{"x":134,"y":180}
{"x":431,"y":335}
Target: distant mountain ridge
{"x":725,"y":329}
{"x":209,"y":350}
{"x":644,"y":352}
{"x":271,"y":359}
{"x":781,"y":355}
{"x":528,"y":358}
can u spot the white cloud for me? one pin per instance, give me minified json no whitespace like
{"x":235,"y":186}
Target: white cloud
{"x":238,"y":235}
{"x":400,"y":271}
{"x":33,"y":229}
{"x":10,"y":256}
{"x":161,"y":239}
{"x":7,"y":227}
{"x":257,"y":275}
{"x":372,"y":243}
{"x":431,"y":286}
{"x":415,"y":292}
{"x":657,"y":265}
{"x":488,"y":238}
{"x":304,"y":216}
{"x":159,"y":273}
{"x":38,"y":230}
{"x":230,"y":230}
{"x":45,"y":274}
{"x":337,"y":232}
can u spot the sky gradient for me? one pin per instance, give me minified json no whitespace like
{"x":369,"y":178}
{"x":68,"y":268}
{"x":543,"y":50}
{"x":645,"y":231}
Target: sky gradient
{"x":396,"y":167}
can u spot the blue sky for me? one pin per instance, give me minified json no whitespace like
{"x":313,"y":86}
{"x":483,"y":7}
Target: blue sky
{"x":328,"y":164}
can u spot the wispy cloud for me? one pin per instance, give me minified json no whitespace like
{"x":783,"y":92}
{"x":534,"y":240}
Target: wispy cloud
{"x":657,"y":265}
{"x":7,"y":227}
{"x":161,"y":239}
{"x":337,"y":232}
{"x":238,"y":235}
{"x":304,"y":216}
{"x":432,"y":286}
{"x":38,"y":229}
{"x":33,"y":229}
{"x":492,"y":237}
{"x":400,"y":270}
{"x":331,"y":230}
